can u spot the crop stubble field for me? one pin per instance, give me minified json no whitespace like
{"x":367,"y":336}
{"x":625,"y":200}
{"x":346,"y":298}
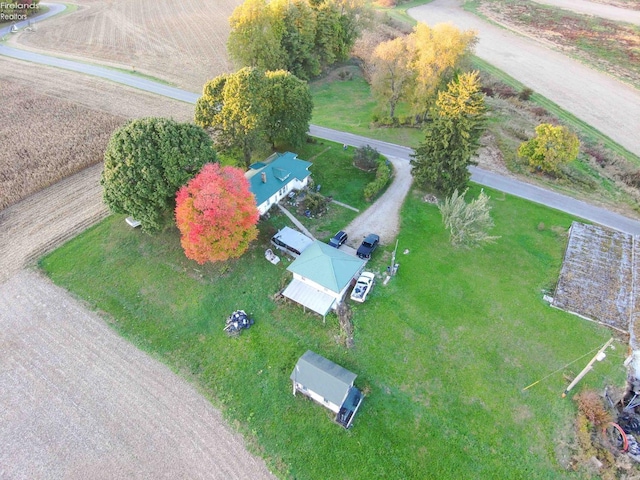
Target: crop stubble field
{"x":82,"y":111}
{"x":47,"y":139}
{"x":182,"y":42}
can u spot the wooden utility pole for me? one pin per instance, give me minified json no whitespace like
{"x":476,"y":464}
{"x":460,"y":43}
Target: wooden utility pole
{"x":393,"y":260}
{"x":599,"y":357}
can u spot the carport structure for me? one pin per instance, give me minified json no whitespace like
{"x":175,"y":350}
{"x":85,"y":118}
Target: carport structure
{"x":321,"y":277}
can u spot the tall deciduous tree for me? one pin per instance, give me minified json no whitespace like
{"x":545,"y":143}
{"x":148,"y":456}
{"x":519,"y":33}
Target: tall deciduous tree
{"x":216,"y":214}
{"x":551,"y":147}
{"x":436,"y":53}
{"x":391,"y":75}
{"x":234,"y":107}
{"x":256,"y":35}
{"x":248,"y":108}
{"x":290,"y":108}
{"x":299,"y":35}
{"x":452,"y":137}
{"x":146,"y":162}
{"x":468,"y":223}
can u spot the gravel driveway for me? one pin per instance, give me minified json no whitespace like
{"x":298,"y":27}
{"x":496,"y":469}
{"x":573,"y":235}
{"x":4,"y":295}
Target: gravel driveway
{"x":383,"y":216}
{"x":596,"y":98}
{"x":80,"y":402}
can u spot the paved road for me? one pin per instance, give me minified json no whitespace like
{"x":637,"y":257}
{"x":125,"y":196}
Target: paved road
{"x":603,"y":102}
{"x":622,"y":101}
{"x":499,"y":182}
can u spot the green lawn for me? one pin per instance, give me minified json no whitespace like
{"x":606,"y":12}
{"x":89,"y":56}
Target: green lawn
{"x":333,"y":169}
{"x":348,"y":105}
{"x":443,"y":352}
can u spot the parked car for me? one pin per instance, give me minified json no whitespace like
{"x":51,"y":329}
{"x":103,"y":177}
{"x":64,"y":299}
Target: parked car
{"x":338,"y":239}
{"x":368,"y":245}
{"x":363,"y":287}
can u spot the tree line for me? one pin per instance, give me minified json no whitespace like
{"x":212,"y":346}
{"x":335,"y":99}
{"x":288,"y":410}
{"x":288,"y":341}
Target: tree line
{"x":300,"y":36}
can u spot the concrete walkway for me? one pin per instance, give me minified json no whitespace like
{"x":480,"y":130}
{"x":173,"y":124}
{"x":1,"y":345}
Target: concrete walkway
{"x":345,"y":205}
{"x":295,"y":221}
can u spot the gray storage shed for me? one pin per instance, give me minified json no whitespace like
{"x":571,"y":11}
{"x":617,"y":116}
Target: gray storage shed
{"x":329,"y":384}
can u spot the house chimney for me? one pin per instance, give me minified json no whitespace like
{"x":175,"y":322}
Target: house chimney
{"x":264,"y":177}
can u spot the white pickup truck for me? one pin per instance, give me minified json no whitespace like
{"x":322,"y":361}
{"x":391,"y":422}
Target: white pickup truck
{"x":362,"y":287}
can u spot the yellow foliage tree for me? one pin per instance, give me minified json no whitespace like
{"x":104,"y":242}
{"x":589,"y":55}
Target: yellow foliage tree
{"x":551,"y":147}
{"x":462,"y":97}
{"x":391,"y":73}
{"x":435,"y":53}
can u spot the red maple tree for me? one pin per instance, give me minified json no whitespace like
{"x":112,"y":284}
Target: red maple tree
{"x":216,"y":214}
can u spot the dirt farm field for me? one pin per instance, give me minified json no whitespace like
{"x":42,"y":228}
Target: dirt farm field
{"x":181,"y":42}
{"x":44,"y":220}
{"x":57,"y":124}
{"x":80,"y":402}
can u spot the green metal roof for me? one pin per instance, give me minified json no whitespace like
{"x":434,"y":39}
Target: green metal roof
{"x":285,"y":168}
{"x":327,"y":266}
{"x":323,"y":377}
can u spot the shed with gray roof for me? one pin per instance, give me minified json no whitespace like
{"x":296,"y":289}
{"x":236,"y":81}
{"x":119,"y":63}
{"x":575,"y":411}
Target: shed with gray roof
{"x":329,"y":384}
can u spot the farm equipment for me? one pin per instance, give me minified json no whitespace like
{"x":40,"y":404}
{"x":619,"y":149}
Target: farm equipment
{"x":236,"y":322}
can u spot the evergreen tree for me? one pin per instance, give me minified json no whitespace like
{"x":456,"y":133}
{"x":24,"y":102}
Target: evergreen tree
{"x":452,"y":136}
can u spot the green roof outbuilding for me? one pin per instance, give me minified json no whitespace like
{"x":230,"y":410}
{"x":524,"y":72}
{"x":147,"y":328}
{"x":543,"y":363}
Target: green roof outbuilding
{"x":327,"y":266}
{"x":323,"y":377}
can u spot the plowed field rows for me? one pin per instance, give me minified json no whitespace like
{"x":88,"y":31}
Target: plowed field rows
{"x":181,"y":41}
{"x":80,"y":402}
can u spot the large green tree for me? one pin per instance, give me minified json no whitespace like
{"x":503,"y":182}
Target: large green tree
{"x":250,"y":108}
{"x":255,"y":37}
{"x":290,"y":108}
{"x":298,"y":38}
{"x":452,"y":136}
{"x":235,"y":108}
{"x":146,"y":161}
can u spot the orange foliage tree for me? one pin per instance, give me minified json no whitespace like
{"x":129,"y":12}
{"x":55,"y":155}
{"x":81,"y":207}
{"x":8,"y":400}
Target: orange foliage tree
{"x":216,"y":214}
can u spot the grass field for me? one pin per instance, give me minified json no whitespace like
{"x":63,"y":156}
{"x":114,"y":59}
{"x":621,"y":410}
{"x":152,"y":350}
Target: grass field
{"x":348,"y":105}
{"x":443,"y":352}
{"x":597,"y":176}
